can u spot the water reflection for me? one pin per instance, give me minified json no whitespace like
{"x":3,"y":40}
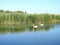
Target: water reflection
{"x":16,"y":29}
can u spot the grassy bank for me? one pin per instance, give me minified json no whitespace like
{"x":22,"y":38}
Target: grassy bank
{"x":20,"y":17}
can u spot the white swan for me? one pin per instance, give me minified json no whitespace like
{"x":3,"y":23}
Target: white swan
{"x":41,"y":24}
{"x":35,"y":26}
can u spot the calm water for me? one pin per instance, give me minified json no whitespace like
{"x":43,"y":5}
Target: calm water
{"x":47,"y":35}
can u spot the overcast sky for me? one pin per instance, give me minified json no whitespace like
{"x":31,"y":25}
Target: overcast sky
{"x":31,"y":6}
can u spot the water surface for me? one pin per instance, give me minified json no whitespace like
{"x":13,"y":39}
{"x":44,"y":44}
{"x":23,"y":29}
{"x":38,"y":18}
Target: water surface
{"x":47,"y":35}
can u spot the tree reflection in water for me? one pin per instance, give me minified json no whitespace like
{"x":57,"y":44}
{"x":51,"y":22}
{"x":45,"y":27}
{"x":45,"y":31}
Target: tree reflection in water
{"x":22,"y":28}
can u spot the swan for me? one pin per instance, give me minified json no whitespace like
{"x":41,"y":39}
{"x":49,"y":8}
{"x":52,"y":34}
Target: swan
{"x":35,"y":26}
{"x":41,"y":24}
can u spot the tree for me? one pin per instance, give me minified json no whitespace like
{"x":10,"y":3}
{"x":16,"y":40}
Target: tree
{"x":1,"y":10}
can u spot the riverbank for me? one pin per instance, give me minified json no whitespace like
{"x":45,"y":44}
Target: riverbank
{"x":20,"y":17}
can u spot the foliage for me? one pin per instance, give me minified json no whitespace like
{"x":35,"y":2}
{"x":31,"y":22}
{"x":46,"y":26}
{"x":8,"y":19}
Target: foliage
{"x":23,"y":17}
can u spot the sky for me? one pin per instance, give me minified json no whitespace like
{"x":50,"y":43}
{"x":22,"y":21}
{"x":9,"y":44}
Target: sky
{"x":31,"y":6}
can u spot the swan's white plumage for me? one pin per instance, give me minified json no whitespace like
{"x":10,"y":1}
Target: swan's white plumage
{"x":35,"y":26}
{"x":41,"y":24}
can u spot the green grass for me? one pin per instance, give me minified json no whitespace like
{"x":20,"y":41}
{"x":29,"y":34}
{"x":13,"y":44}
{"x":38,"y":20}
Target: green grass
{"x":20,"y":17}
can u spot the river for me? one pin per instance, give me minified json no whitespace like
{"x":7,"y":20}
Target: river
{"x":48,"y":35}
